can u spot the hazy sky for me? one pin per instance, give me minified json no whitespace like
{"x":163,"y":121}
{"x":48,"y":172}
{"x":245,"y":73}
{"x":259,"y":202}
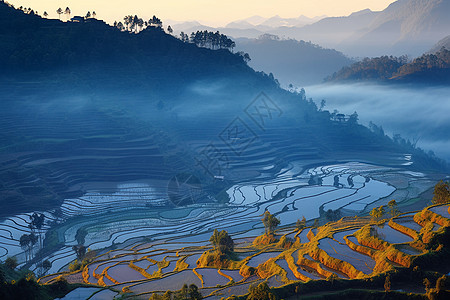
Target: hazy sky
{"x":210,"y":12}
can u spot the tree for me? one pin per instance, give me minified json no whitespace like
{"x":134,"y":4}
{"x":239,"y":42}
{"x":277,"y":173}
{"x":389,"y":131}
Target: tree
{"x":67,"y":12}
{"x":24,"y":242}
{"x":322,"y":104}
{"x":427,"y":283}
{"x":59,"y":11}
{"x":300,"y":224}
{"x":270,"y":222}
{"x":353,"y":118}
{"x":245,"y":56}
{"x":377,"y":213}
{"x":80,"y":251}
{"x":169,"y":29}
{"x":187,"y":293}
{"x":260,"y":292}
{"x":222,"y":241}
{"x":127,"y":21}
{"x":184,"y":37}
{"x":46,"y":265}
{"x":393,"y":207}
{"x":333,"y":215}
{"x":193,"y":292}
{"x":155,"y":21}
{"x":316,"y":223}
{"x":11,"y":263}
{"x":441,"y":283}
{"x":441,"y":193}
{"x":387,"y":284}
{"x":120,"y":26}
{"x":37,"y":221}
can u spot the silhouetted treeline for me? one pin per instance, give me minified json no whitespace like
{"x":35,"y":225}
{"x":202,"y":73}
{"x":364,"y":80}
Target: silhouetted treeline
{"x":136,"y":24}
{"x":212,"y":40}
{"x":32,"y":43}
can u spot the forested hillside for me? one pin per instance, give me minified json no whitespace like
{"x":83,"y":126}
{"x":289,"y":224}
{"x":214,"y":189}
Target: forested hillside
{"x":431,"y":68}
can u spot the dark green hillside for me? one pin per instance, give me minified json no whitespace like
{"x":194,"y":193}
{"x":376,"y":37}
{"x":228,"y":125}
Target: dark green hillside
{"x":432,"y":69}
{"x":30,"y":43}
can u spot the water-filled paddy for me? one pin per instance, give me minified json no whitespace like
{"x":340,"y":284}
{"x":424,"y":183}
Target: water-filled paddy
{"x":261,"y":258}
{"x":169,"y":230}
{"x":391,"y":235}
{"x":360,"y":261}
{"x":441,"y":210}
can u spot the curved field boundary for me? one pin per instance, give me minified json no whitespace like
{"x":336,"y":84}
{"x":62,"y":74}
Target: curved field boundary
{"x":291,"y":263}
{"x":313,"y":265}
{"x":198,"y":275}
{"x":225,"y":275}
{"x":403,"y":229}
{"x":336,"y":264}
{"x":365,"y":238}
{"x":269,"y":268}
{"x":425,"y":216}
{"x":382,"y":265}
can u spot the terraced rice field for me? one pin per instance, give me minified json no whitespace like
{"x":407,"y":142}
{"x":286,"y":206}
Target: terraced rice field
{"x":116,"y":219}
{"x":156,"y":270}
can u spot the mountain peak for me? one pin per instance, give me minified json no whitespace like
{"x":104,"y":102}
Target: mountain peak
{"x":361,"y":12}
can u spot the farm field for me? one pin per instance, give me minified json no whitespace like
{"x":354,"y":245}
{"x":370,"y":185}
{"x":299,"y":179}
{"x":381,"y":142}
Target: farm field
{"x":142,"y":251}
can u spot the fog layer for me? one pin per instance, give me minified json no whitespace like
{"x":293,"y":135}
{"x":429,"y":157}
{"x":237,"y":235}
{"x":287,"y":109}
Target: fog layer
{"x":415,"y":113}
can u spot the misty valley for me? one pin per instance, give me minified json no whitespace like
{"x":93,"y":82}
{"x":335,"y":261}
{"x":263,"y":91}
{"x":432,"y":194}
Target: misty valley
{"x":139,"y":162}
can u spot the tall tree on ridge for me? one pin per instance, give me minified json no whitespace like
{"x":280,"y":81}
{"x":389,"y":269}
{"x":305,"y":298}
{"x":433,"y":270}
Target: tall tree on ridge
{"x":59,"y":11}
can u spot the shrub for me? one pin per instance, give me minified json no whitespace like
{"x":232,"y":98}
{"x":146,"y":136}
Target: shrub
{"x":11,"y":263}
{"x":260,"y":292}
{"x":441,"y":193}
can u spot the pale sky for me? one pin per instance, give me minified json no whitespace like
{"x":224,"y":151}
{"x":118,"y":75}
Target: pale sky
{"x":208,"y":12}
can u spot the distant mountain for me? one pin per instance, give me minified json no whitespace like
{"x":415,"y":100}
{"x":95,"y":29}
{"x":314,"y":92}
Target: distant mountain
{"x":251,"y":27}
{"x":331,"y":31}
{"x":408,"y":27}
{"x":292,"y":62}
{"x":431,"y":69}
{"x":405,"y":27}
{"x":300,"y":21}
{"x":445,"y":42}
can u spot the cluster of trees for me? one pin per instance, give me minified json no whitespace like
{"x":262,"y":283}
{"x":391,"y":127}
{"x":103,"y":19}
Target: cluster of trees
{"x":300,"y":224}
{"x":29,"y":10}
{"x":395,"y":68}
{"x":378,"y":68}
{"x":377,"y":213}
{"x":441,"y":193}
{"x":270,"y":222}
{"x":135,"y":24}
{"x":442,"y":284}
{"x":211,"y":40}
{"x":185,"y":293}
{"x":392,"y":205}
{"x":222,"y":242}
{"x":439,"y":60}
{"x":260,"y":292}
